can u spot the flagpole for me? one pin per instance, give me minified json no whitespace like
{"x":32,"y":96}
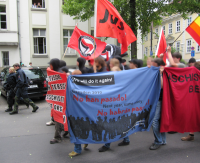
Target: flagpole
{"x":95,"y":19}
{"x":65,"y":53}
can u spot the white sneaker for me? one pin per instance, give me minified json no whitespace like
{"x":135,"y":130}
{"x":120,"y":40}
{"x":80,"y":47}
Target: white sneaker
{"x":50,"y":123}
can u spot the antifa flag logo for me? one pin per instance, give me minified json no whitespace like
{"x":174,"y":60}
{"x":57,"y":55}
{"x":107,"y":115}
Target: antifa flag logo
{"x":86,"y":46}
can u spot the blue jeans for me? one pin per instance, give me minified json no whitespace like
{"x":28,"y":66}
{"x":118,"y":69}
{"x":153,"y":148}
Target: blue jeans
{"x":126,"y":139}
{"x":160,"y":138}
{"x":77,"y":148}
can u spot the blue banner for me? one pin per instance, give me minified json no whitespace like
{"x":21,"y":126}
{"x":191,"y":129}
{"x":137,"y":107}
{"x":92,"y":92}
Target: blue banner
{"x":106,"y":107}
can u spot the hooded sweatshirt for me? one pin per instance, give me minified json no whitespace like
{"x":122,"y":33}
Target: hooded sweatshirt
{"x":81,"y":66}
{"x":55,"y":62}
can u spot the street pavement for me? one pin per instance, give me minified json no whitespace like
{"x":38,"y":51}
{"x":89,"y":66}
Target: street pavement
{"x":24,"y":138}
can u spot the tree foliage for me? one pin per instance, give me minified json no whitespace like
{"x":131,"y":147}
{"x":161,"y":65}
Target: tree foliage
{"x":138,"y":14}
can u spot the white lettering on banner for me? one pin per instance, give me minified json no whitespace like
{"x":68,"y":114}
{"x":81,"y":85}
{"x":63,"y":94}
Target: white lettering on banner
{"x":55,"y":98}
{"x":54,"y":78}
{"x":59,"y":86}
{"x":58,"y":108}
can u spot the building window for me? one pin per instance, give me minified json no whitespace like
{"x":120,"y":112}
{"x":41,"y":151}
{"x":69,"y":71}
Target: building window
{"x":189,"y":21}
{"x":3,"y":17}
{"x":188,"y":46}
{"x":164,"y":29}
{"x":156,"y":31}
{"x":5,"y":58}
{"x":146,"y":38}
{"x":145,"y":51}
{"x":178,"y":46}
{"x":66,"y":37}
{"x":170,"y":28}
{"x":178,"y":26}
{"x":198,"y":48}
{"x":39,"y":41}
{"x":38,"y":3}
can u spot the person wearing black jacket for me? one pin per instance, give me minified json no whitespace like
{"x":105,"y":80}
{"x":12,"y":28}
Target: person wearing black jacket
{"x":10,"y":85}
{"x":81,"y":65}
{"x":21,"y":90}
{"x":124,"y":64}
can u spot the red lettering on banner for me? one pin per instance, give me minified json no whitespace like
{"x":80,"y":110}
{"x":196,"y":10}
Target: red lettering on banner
{"x":119,"y":98}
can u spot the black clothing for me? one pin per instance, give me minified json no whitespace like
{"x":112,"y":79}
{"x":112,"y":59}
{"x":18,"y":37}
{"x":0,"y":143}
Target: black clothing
{"x":21,"y":79}
{"x":90,"y":70}
{"x":55,"y":62}
{"x":81,"y":66}
{"x":161,"y":95}
{"x":126,"y":67}
{"x":62,"y":63}
{"x":11,"y":80}
{"x":65,"y":69}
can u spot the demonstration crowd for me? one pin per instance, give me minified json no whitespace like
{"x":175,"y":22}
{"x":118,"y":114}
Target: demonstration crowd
{"x":18,"y":83}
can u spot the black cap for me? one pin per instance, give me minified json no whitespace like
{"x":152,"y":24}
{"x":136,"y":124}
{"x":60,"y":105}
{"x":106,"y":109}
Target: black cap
{"x":192,"y":60}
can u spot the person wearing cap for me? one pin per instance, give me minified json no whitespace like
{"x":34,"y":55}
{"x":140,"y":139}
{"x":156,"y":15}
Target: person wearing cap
{"x":191,"y":62}
{"x":21,"y":90}
{"x":124,"y":64}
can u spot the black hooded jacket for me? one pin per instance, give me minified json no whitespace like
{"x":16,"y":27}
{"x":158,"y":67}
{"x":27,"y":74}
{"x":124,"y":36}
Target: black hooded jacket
{"x":55,"y":62}
{"x":81,"y":66}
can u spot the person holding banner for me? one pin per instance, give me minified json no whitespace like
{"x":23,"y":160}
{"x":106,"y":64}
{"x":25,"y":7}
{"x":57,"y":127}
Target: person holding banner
{"x":190,"y":137}
{"x":100,"y":64}
{"x":175,"y":58}
{"x":160,"y":138}
{"x":77,"y":147}
{"x":55,"y":66}
{"x":81,"y":65}
{"x":115,"y":66}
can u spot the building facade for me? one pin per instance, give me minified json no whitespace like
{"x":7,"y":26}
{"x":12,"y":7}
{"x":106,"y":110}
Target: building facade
{"x":37,"y":31}
{"x":173,"y":26}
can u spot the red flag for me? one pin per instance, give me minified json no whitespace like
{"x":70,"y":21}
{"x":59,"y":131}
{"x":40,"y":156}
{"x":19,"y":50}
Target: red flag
{"x":180,"y":104}
{"x":109,"y":23}
{"x":83,"y":43}
{"x":162,"y":46}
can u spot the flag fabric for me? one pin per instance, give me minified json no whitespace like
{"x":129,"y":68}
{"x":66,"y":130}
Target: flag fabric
{"x":84,"y":44}
{"x":181,"y":104}
{"x":109,"y":23}
{"x":194,"y":30}
{"x":162,"y":46}
{"x":104,"y":107}
{"x":56,"y":96}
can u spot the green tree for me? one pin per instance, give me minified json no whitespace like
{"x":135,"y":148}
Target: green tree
{"x":138,"y":14}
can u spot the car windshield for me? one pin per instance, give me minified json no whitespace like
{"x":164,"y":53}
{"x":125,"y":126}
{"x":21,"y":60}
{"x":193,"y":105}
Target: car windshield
{"x":34,"y":73}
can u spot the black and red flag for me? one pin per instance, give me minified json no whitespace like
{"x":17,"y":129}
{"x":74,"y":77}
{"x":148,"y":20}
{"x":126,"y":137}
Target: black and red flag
{"x":84,"y":44}
{"x":109,"y":23}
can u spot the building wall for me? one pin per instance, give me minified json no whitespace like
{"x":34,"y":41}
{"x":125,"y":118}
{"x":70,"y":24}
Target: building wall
{"x":9,"y":36}
{"x":50,"y":18}
{"x":170,"y":38}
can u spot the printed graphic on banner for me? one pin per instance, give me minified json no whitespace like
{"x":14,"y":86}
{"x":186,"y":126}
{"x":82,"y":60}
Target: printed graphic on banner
{"x":56,"y":95}
{"x":102,"y":113}
{"x":181,"y":104}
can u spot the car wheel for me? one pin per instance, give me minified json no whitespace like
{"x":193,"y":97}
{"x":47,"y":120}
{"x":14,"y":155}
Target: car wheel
{"x":42,"y":98}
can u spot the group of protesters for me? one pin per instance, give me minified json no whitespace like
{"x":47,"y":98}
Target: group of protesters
{"x":17,"y":86}
{"x":116,"y":63}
